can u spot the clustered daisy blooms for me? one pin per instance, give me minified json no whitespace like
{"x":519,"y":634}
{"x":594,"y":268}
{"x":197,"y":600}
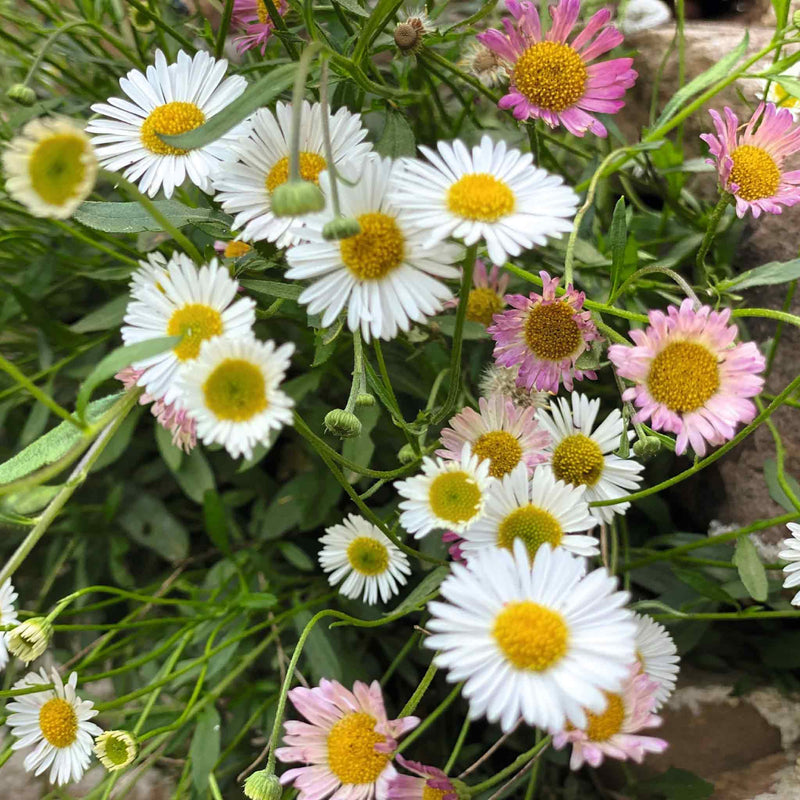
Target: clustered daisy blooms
{"x":689,"y":375}
{"x":750,"y":162}
{"x":554,"y":79}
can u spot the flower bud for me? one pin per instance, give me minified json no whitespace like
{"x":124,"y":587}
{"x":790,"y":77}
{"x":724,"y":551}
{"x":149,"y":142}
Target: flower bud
{"x":342,"y":423}
{"x":263,"y":785}
{"x":30,"y":639}
{"x":297,"y":198}
{"x":340,"y":228}
{"x":116,"y":749}
{"x":141,"y":21}
{"x":406,"y":454}
{"x":364,"y":400}
{"x":21,"y":94}
{"x":647,"y":447}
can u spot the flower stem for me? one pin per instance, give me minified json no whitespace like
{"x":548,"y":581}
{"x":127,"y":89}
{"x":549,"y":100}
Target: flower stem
{"x":713,"y":223}
{"x":297,"y":108}
{"x":224,"y":24}
{"x":519,"y":762}
{"x":411,"y":706}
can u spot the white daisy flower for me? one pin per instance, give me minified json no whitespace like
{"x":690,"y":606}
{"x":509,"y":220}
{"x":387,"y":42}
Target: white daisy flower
{"x":30,"y":638}
{"x":778,"y":95}
{"x":446,"y":494}
{"x":536,"y":511}
{"x":50,"y":167}
{"x":658,"y":655}
{"x":56,"y":721}
{"x":492,"y":194}
{"x":167,"y":99}
{"x":583,"y":457}
{"x":182,"y":300}
{"x":358,"y":553}
{"x":791,"y":553}
{"x":259,"y":163}
{"x":384,"y":276}
{"x":232,"y":391}
{"x":8,"y":616}
{"x":149,"y":274}
{"x":541,"y":642}
{"x":116,"y":749}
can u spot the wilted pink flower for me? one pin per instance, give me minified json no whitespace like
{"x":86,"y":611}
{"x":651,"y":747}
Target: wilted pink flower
{"x":454,"y":540}
{"x":545,"y":335}
{"x":615,"y":732}
{"x":554,"y":80}
{"x":431,"y":784}
{"x":252,"y":15}
{"x":691,"y":379}
{"x":486,"y":298}
{"x":750,"y":163}
{"x":347,"y":744}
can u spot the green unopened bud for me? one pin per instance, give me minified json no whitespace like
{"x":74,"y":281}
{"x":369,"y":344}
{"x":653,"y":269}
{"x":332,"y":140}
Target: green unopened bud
{"x":342,"y":423}
{"x":115,"y":749}
{"x":462,"y":790}
{"x":796,"y":19}
{"x":340,"y":228}
{"x":263,"y":785}
{"x":141,"y":21}
{"x":646,"y":448}
{"x":297,"y":198}
{"x":364,"y":400}
{"x":30,"y":639}
{"x":21,"y":94}
{"x":406,"y":454}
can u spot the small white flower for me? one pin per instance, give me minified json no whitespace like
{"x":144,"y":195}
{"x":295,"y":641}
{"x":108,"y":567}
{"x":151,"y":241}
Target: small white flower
{"x":115,"y":749}
{"x":29,"y":639}
{"x":50,"y":167}
{"x":535,"y":511}
{"x":447,"y":494}
{"x":492,"y":194}
{"x":369,"y":563}
{"x":658,"y":655}
{"x":791,"y":553}
{"x":778,"y":95}
{"x":385,"y":276}
{"x":56,"y":721}
{"x":257,"y":164}
{"x":178,"y":299}
{"x":541,"y":642}
{"x":167,"y":99}
{"x":583,"y":457}
{"x":8,"y":616}
{"x":233,"y":392}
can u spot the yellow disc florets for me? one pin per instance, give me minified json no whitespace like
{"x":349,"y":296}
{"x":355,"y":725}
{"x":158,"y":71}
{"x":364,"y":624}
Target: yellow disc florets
{"x":170,"y":120}
{"x":368,"y":556}
{"x":454,"y":496}
{"x":482,"y":304}
{"x":601,"y":727}
{"x":58,"y":722}
{"x":532,"y":525}
{"x":310,"y":164}
{"x":578,"y":460}
{"x":551,"y":331}
{"x":235,"y":249}
{"x":683,"y":376}
{"x":501,"y":448}
{"x":57,"y":169}
{"x":195,"y":322}
{"x":352,"y":757}
{"x":235,"y":390}
{"x":480,"y":197}
{"x":551,"y":75}
{"x":531,"y":636}
{"x":755,"y":171}
{"x":377,"y":250}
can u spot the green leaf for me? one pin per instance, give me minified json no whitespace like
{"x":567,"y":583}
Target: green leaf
{"x":261,"y":93}
{"x":397,"y":139}
{"x":119,"y":441}
{"x":775,"y":489}
{"x":765,"y":275}
{"x":107,"y":317}
{"x":720,"y":70}
{"x":29,"y":501}
{"x":751,"y":570}
{"x":419,"y":595}
{"x":130,"y":217}
{"x":296,"y":557}
{"x":319,"y":650}
{"x":260,"y":600}
{"x":702,"y":585}
{"x":781,"y":12}
{"x":216,"y":520}
{"x":172,"y":454}
{"x":472,"y":330}
{"x":286,"y":291}
{"x":678,"y":784}
{"x":195,"y":476}
{"x":204,"y":750}
{"x":791,"y":85}
{"x":54,"y":444}
{"x":148,"y":522}
{"x":353,"y":7}
{"x":118,"y":359}
{"x":619,"y":238}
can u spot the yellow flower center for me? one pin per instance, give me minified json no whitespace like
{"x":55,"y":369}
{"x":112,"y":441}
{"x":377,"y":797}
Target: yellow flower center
{"x":550,"y":75}
{"x":783,"y":98}
{"x":195,"y":322}
{"x":482,"y":304}
{"x":235,"y":390}
{"x":377,"y":250}
{"x":368,"y":556}
{"x":578,"y":460}
{"x":454,"y":496}
{"x":755,"y":171}
{"x":116,"y":750}
{"x":481,"y":197}
{"x":429,"y":793}
{"x":551,"y":331}
{"x":263,"y":14}
{"x":56,"y":168}
{"x":311,"y":164}
{"x":234,"y":249}
{"x":501,"y":448}
{"x":533,"y":525}
{"x":170,"y":120}
{"x":58,"y":722}
{"x":352,"y":757}
{"x":683,"y":376}
{"x":601,"y":727}
{"x":531,"y":636}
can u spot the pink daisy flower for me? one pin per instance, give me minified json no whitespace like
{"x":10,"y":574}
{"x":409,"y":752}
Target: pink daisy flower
{"x":690,"y":377}
{"x":615,"y":732}
{"x":455,"y":551}
{"x":432,"y":783}
{"x":552,"y":79}
{"x":347,"y":744}
{"x":252,"y":15}
{"x":545,"y":335}
{"x":487,"y":296}
{"x":500,"y":433}
{"x":168,"y":415}
{"x":750,"y":163}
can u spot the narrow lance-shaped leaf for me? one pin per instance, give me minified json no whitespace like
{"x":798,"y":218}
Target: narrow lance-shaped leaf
{"x":751,"y":570}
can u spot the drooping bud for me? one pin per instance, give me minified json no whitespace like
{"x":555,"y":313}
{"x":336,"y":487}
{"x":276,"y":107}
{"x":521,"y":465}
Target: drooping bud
{"x":297,"y":198}
{"x":30,"y":639}
{"x":406,"y":454}
{"x":364,"y":400}
{"x":21,"y":94}
{"x":340,"y":228}
{"x":140,"y":20}
{"x":647,"y":447}
{"x":263,"y":785}
{"x":342,"y":423}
